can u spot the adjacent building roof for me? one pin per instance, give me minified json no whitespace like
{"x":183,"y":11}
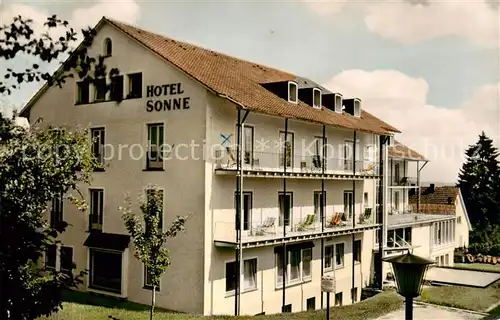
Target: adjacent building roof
{"x":241,"y":81}
{"x":399,"y":150}
{"x":433,"y":199}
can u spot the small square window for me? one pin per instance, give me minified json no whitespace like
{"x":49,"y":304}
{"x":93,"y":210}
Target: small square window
{"x":100,"y":89}
{"x":135,"y":85}
{"x":292,"y":92}
{"x":338,"y":299}
{"x":287,"y":308}
{"x":316,"y":98}
{"x":311,"y":303}
{"x":83,"y":92}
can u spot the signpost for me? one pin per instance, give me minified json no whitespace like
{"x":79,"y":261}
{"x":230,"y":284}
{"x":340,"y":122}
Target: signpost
{"x":328,"y":286}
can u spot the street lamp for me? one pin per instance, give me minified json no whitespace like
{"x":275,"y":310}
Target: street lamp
{"x":409,"y":271}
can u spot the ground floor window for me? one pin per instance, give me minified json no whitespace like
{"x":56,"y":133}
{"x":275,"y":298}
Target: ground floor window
{"x":249,"y":275}
{"x":338,"y":299}
{"x":148,"y":281}
{"x":106,"y":270}
{"x":287,"y":308}
{"x":354,"y":295}
{"x":50,"y":256}
{"x":66,"y":259}
{"x":334,"y":256}
{"x":311,"y":303}
{"x":298,"y":266}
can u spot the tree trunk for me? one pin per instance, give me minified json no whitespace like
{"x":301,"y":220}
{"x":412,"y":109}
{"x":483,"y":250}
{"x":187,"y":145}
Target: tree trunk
{"x":153,"y":295}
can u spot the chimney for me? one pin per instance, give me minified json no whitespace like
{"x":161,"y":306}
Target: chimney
{"x":432,"y":188}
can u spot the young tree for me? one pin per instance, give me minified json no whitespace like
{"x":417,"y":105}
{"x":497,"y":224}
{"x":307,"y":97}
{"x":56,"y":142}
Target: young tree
{"x":38,"y":165}
{"x":479,"y":180}
{"x":148,"y":236}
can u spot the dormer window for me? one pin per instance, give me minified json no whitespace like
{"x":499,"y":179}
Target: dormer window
{"x":317,"y":98}
{"x":357,"y":108}
{"x":338,"y":103}
{"x":292,"y":91}
{"x":108,"y":47}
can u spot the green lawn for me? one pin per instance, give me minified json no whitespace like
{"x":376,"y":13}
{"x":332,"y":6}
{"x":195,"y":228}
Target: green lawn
{"x":81,"y":306}
{"x":478,"y":266}
{"x":476,"y":299}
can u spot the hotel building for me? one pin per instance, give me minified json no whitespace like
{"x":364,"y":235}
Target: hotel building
{"x":271,"y":169}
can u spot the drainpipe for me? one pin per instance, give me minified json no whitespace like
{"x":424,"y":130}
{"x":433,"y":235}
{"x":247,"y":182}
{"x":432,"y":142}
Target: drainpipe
{"x":240,"y":245}
{"x":418,"y":183}
{"x":353,"y":214}
{"x":285,"y":262}
{"x":237,"y":213}
{"x":323,"y":206}
{"x":379,"y":213}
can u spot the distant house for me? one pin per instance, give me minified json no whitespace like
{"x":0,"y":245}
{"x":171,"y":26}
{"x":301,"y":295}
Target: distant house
{"x":444,"y":200}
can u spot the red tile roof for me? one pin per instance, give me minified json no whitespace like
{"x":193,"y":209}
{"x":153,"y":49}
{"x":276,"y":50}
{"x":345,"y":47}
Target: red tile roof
{"x":399,"y":150}
{"x":240,"y":81}
{"x":442,"y":200}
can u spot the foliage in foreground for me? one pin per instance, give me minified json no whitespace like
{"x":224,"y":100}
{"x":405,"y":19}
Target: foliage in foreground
{"x":87,"y":307}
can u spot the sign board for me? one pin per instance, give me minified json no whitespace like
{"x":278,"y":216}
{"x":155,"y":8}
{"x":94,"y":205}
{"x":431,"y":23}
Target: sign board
{"x":328,"y":284}
{"x":170,"y":101}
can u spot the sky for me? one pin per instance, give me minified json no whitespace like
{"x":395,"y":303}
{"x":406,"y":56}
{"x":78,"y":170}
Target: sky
{"x":429,"y":68}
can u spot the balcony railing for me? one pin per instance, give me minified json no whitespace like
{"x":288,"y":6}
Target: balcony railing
{"x":405,"y":181}
{"x":271,"y":227}
{"x":275,"y":162}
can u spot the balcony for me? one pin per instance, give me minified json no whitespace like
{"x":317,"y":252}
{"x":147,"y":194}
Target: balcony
{"x":407,"y":181}
{"x":273,"y":164}
{"x":269,"y":230}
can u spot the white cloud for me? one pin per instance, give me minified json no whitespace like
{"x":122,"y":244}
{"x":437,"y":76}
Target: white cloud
{"x":440,"y":134}
{"x":409,"y":22}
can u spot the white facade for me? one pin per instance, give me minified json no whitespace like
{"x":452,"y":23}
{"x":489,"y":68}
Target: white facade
{"x":197,"y":184}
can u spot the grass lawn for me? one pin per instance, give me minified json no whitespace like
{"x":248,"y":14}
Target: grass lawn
{"x":478,"y":266}
{"x":81,"y":306}
{"x":476,"y":299}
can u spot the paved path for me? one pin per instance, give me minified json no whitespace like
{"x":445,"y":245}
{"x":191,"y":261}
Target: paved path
{"x":428,"y":312}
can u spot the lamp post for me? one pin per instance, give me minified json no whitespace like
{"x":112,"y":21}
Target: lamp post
{"x":409,"y":271}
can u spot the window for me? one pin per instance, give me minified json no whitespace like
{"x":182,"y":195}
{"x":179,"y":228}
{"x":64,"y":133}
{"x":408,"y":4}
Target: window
{"x":339,"y":255}
{"x":155,"y":140}
{"x":294,"y":274}
{"x":50,"y":256}
{"x":298,"y":267}
{"x":148,"y":282}
{"x":100,"y":89}
{"x":292,"y":92}
{"x":56,"y":213}
{"x":334,"y":256}
{"x":96,"y":209}
{"x":155,"y":207}
{"x":348,"y":204}
{"x":354,"y":295}
{"x":248,"y":145}
{"x":98,"y":144}
{"x":408,"y":235}
{"x":441,"y":261}
{"x":338,"y":299}
{"x":287,"y":308}
{"x":66,"y":259}
{"x":365,"y":199}
{"x":116,"y":88}
{"x":396,"y":200}
{"x":338,"y":103}
{"x":247,"y":208}
{"x":357,"y":251}
{"x":286,"y":149}
{"x":319,"y":202}
{"x":105,"y":270}
{"x":286,"y":205}
{"x":400,"y":237}
{"x":396,"y":173}
{"x":357,"y":108}
{"x":318,"y":159}
{"x":249,"y":275}
{"x":391,"y":238}
{"x":83,"y":92}
{"x":108,"y":47}
{"x":134,"y":85}
{"x":316,"y":98}
{"x":447,"y":260}
{"x":459,"y":220}
{"x":311,"y":303}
